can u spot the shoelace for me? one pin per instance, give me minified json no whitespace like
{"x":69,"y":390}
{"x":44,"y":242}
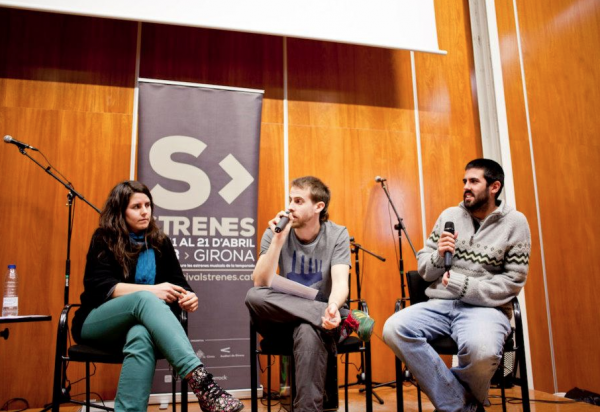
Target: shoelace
{"x":214,"y":391}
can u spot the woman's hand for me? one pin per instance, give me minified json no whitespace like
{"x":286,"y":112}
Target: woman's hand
{"x":189,"y":301}
{"x":168,"y":292}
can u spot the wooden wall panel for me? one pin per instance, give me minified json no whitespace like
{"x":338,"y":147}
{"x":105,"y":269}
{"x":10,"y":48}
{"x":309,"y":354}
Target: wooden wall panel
{"x":66,"y":87}
{"x":560,"y":42}
{"x":524,"y":190}
{"x":449,"y":119}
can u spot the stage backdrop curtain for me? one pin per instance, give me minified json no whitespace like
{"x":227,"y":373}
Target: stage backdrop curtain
{"x":198,"y":154}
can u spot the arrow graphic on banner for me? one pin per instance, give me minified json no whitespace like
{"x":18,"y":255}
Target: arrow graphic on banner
{"x":240,"y":178}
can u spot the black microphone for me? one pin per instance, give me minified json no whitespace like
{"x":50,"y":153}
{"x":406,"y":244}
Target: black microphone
{"x":9,"y":139}
{"x":282,"y":222}
{"x":380,"y":179}
{"x":449,"y":227}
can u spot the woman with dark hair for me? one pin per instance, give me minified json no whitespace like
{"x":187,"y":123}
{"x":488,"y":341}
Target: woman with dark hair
{"x":133,"y":291}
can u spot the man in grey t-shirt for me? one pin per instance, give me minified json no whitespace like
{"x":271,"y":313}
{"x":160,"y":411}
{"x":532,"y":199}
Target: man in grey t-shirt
{"x":314,"y":252}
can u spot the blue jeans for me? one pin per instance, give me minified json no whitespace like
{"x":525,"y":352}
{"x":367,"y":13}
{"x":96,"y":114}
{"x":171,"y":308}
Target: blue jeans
{"x":479,"y":333}
{"x":141,"y":324}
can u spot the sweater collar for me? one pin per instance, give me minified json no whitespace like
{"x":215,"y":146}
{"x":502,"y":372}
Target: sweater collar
{"x":502,"y":210}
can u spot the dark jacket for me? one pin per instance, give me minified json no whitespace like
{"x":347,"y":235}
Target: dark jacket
{"x":102,"y":273}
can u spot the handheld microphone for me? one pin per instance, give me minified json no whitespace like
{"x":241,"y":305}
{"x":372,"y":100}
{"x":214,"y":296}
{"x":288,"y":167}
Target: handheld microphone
{"x":380,"y":179}
{"x":282,"y":222}
{"x":21,"y":145}
{"x":449,"y":227}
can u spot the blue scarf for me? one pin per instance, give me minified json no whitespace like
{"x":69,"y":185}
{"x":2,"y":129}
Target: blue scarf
{"x":145,"y":270}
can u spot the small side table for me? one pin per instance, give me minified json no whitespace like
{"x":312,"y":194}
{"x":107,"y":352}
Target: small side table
{"x":20,"y":319}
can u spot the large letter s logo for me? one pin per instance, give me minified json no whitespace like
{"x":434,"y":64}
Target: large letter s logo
{"x":161,"y":162}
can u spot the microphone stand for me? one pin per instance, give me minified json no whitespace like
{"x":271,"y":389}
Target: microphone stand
{"x":71,"y":197}
{"x":356,"y":248}
{"x":399,"y":227}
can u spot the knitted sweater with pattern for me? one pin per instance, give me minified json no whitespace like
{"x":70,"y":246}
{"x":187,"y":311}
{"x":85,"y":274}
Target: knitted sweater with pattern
{"x":489,"y":265}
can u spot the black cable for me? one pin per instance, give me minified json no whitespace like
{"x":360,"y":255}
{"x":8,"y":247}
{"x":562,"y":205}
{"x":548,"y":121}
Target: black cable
{"x":517,"y":401}
{"x":52,"y":167}
{"x":345,"y":360}
{"x":266,"y":367}
{"x":362,"y":275}
{"x":394,"y":238}
{"x":13,"y":400}
{"x":100,"y":399}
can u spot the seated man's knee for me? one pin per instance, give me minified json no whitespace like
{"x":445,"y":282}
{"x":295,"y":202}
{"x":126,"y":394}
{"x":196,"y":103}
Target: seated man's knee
{"x":396,"y":327}
{"x":481,"y":352}
{"x":389,"y":330}
{"x":306,"y":336}
{"x":256,"y":296}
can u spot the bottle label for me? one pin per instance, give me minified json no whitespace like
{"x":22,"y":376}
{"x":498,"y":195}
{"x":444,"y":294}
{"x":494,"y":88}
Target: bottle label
{"x":10,"y":302}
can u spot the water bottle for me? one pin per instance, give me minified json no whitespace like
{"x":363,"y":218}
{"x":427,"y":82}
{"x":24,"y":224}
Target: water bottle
{"x":10,"y":303}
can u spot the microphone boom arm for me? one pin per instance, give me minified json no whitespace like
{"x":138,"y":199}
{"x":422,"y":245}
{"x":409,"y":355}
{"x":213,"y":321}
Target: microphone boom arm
{"x":67,"y":185}
{"x":400,"y":225}
{"x":356,"y":245}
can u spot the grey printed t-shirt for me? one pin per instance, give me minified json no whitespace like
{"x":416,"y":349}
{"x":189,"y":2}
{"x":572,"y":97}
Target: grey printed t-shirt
{"x":310,"y":264}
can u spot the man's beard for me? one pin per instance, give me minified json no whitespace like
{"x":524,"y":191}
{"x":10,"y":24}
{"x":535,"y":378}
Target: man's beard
{"x":478,"y":202}
{"x":298,"y":223}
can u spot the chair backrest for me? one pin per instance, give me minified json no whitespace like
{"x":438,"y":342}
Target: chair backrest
{"x":416,"y":287}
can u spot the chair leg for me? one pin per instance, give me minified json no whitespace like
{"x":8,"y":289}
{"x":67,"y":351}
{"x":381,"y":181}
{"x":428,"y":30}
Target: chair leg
{"x":253,"y":370}
{"x":292,"y":381}
{"x":368,"y":378}
{"x":87,"y":387}
{"x":503,"y":384}
{"x":399,"y":386}
{"x":346,"y":383}
{"x":184,"y":395}
{"x":419,"y":398}
{"x":174,"y":392}
{"x":523,"y":373}
{"x":57,"y":385}
{"x":269,"y":383}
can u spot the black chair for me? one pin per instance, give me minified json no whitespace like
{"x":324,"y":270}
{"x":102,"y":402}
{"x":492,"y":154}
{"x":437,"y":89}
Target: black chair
{"x":91,"y":354}
{"x":446,"y":345}
{"x":284,"y":347}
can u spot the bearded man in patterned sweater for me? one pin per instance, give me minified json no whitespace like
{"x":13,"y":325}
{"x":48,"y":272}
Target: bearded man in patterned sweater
{"x":471,"y":301}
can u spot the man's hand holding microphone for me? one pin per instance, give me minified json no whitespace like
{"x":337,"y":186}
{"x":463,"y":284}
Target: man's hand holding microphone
{"x":446,"y":246}
{"x":281,"y":224}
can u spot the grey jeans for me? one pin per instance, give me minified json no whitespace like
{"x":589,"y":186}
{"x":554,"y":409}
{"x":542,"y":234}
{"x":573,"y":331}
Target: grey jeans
{"x":278,"y":315}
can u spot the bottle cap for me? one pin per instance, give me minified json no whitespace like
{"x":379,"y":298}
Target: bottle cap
{"x":12,"y":266}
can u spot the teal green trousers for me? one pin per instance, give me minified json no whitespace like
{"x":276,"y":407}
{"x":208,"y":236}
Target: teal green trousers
{"x":143,"y":325}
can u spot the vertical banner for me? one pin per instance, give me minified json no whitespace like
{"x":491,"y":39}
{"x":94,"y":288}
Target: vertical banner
{"x":198,"y":154}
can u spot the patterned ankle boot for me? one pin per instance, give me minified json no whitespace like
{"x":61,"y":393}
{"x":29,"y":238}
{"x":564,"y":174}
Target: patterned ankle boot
{"x":211,"y":397}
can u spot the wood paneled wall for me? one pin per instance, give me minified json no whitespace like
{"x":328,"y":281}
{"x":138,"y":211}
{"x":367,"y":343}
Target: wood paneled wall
{"x":560,"y":42}
{"x":66,"y":86}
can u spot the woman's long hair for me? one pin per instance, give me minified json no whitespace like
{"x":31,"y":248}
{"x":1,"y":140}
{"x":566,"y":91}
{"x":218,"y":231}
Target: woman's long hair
{"x":113,"y":227}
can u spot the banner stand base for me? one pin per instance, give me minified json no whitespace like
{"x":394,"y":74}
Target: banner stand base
{"x":166,"y":398}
